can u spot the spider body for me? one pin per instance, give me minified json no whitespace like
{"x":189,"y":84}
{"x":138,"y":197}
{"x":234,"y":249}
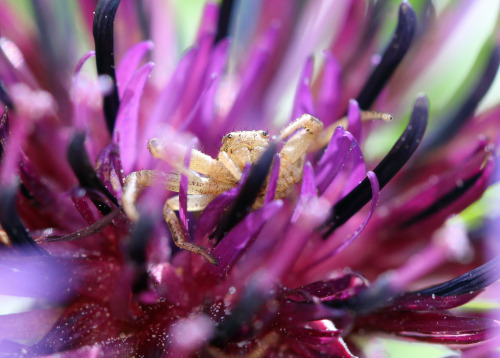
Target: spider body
{"x":219,"y":175}
{"x":209,"y":177}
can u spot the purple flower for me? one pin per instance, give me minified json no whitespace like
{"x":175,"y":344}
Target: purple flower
{"x":350,"y":247}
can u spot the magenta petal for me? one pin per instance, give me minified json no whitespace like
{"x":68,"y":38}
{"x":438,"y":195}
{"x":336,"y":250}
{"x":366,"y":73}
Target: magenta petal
{"x":273,"y":180}
{"x":125,"y":133}
{"x":127,"y":67}
{"x":354,"y":119}
{"x":238,"y":239}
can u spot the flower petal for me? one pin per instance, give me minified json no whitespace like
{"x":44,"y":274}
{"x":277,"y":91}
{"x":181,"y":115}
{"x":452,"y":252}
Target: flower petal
{"x":402,"y":150}
{"x":448,"y":127}
{"x":87,"y":177}
{"x":247,"y":195}
{"x":125,"y":133}
{"x":14,"y":227}
{"x":104,"y":18}
{"x":433,"y":327}
{"x":126,"y":69}
{"x":394,"y":53}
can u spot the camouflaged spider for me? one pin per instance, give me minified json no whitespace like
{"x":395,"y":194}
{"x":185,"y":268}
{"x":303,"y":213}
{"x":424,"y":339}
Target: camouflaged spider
{"x":224,"y":173}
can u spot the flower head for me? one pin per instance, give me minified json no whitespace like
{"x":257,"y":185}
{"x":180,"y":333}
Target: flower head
{"x":292,"y":240}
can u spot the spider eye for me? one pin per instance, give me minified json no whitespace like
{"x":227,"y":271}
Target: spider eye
{"x":264,"y":133}
{"x":230,"y":135}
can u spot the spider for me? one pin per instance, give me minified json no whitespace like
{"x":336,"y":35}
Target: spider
{"x":224,"y":173}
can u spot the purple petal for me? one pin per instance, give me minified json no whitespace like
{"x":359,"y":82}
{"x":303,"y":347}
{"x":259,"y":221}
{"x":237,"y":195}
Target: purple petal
{"x":208,"y":23}
{"x":329,"y":92}
{"x":307,"y":191}
{"x":125,"y":133}
{"x":375,"y":194}
{"x":82,"y":61}
{"x":166,"y":103}
{"x":331,"y":161}
{"x":273,"y":180}
{"x":303,"y":102}
{"x":356,"y":165}
{"x":354,"y":119}
{"x":127,"y":67}
{"x":241,"y":236}
{"x":28,"y":326}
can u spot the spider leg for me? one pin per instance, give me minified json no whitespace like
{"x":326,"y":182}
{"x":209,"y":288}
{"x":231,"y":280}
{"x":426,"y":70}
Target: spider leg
{"x":325,"y":136}
{"x":194,"y":202}
{"x":136,"y":181}
{"x":295,"y":148}
{"x":178,"y":232}
{"x":230,"y":165}
{"x":173,"y":153}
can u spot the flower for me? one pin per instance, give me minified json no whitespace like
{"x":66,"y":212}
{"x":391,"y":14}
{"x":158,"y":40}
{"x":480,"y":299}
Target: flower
{"x":348,"y":253}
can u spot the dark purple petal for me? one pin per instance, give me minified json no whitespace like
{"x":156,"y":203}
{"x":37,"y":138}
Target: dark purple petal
{"x":393,"y":54}
{"x":247,"y":195}
{"x":335,"y":289}
{"x":474,"y":280}
{"x":445,"y":200}
{"x":450,"y":125}
{"x":87,"y":177}
{"x":433,"y":327}
{"x":14,"y":227}
{"x":125,"y":133}
{"x":225,"y":13}
{"x":109,"y":169}
{"x":5,"y":98}
{"x":402,"y":150}
{"x":4,"y":130}
{"x":127,"y":67}
{"x":415,"y":301}
{"x":89,"y":230}
{"x":104,"y":18}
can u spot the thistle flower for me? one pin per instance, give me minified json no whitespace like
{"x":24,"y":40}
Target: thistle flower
{"x":348,"y":254}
